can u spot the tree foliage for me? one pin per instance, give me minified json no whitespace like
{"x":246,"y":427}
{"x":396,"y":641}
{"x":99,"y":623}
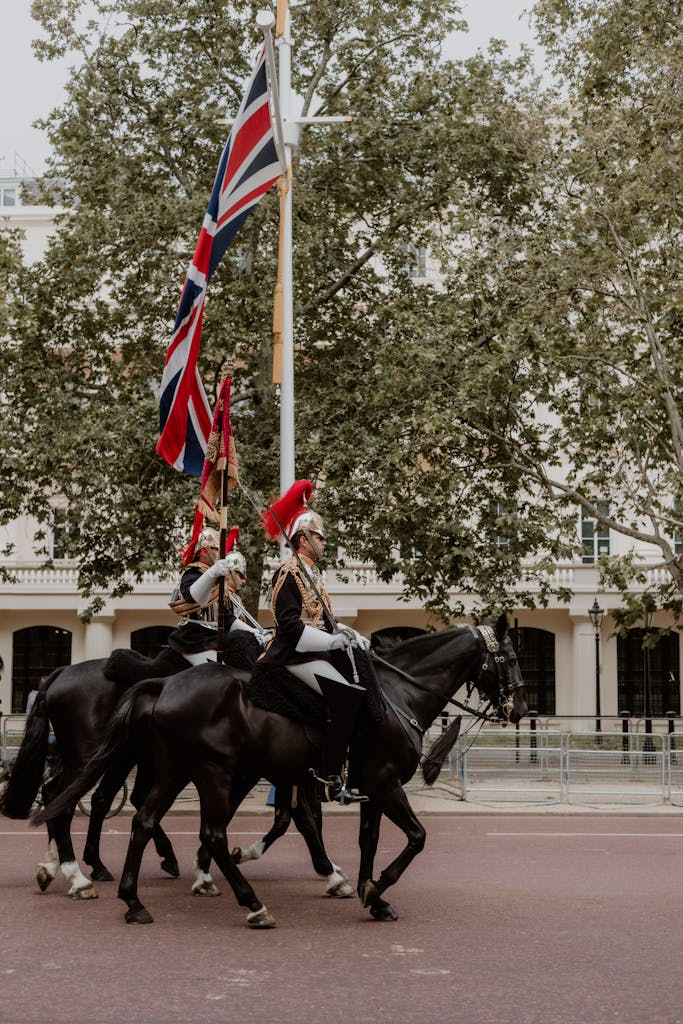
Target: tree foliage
{"x":455,"y":429}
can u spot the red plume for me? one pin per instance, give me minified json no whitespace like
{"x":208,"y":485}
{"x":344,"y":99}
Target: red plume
{"x":187,"y":554}
{"x":292,"y":504}
{"x":231,"y":539}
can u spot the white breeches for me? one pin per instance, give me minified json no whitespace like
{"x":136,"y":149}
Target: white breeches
{"x":307,"y":672}
{"x":200,"y":657}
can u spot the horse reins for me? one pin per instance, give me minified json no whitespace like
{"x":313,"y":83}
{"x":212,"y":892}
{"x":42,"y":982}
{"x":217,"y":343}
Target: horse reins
{"x":492,"y":646}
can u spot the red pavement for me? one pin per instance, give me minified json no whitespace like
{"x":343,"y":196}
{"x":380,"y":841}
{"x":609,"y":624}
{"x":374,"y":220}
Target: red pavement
{"x":509,"y":919}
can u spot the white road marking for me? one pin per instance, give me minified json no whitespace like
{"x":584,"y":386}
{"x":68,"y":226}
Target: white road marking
{"x":601,"y":835}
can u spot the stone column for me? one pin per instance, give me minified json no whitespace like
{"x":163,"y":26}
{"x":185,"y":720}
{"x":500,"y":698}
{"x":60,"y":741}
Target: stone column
{"x":583,"y":646}
{"x":99,"y":635}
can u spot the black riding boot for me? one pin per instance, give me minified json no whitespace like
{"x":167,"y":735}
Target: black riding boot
{"x":343,"y":703}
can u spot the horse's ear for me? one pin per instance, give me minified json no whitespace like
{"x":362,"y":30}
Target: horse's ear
{"x":501,"y":626}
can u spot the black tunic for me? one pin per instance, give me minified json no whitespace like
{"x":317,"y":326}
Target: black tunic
{"x":294,"y":604}
{"x":199,"y":632}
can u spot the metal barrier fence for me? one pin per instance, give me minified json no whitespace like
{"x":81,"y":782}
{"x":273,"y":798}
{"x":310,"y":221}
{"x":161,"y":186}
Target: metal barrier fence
{"x":534,"y":765}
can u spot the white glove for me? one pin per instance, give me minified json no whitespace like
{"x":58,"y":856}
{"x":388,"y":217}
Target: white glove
{"x":312,"y":640}
{"x":246,"y":628}
{"x":341,"y":641}
{"x":360,"y":640}
{"x":201,"y":588}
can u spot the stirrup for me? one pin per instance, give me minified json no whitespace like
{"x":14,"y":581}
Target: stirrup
{"x":334,"y":788}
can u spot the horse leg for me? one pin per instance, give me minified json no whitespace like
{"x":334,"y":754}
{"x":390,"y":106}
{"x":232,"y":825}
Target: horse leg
{"x":281,"y":820}
{"x":203,"y":884}
{"x":307,"y":816}
{"x":399,"y":811}
{"x":100,"y":802}
{"x":46,"y":870}
{"x":60,"y":850}
{"x":162,"y":844}
{"x":157,"y":802}
{"x":213,"y":786}
{"x":81,"y":887}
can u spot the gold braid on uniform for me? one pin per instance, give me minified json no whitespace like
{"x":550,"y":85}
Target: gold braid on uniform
{"x":309,"y":601}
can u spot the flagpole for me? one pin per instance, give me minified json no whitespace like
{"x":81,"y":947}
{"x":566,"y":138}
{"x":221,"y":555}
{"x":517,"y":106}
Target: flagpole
{"x":228,"y":370}
{"x":290,"y":137}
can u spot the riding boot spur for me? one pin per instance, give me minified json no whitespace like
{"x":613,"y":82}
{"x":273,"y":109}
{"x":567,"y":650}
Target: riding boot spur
{"x":343,"y":703}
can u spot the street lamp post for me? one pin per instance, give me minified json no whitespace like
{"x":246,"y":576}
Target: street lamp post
{"x":595,"y":613}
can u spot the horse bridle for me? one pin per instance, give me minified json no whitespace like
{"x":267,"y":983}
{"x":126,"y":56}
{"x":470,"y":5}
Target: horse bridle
{"x":506,"y":687}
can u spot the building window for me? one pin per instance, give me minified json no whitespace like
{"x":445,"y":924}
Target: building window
{"x":36,"y":651}
{"x":535,"y":650}
{"x":150,"y":640}
{"x":58,"y":549}
{"x":503,"y":511}
{"x":416,"y":262}
{"x":648,"y":678}
{"x":594,"y":536}
{"x":9,"y":196}
{"x":678,"y":534}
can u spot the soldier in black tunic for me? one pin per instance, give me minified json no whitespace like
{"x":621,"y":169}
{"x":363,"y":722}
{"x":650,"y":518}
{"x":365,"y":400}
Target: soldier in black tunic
{"x":196,"y":600}
{"x":305,"y":636}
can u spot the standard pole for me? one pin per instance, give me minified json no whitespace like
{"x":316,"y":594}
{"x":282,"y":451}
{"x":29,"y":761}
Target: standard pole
{"x":287,"y":446}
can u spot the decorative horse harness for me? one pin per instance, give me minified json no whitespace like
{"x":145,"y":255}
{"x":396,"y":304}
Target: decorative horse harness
{"x":506,"y":687}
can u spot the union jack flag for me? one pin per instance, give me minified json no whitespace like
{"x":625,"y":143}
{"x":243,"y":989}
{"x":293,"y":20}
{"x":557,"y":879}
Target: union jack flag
{"x":248,"y":167}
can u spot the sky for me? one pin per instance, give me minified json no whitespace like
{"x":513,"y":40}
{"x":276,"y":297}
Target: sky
{"x":30,"y":89}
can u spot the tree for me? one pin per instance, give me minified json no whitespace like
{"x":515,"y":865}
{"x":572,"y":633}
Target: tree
{"x":553,"y":352}
{"x":136,"y":144}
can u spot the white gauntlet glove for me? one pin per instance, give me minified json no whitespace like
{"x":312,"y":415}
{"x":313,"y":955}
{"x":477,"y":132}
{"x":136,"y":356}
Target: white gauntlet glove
{"x":246,"y":628}
{"x":312,"y":640}
{"x":201,"y":588}
{"x":359,"y":640}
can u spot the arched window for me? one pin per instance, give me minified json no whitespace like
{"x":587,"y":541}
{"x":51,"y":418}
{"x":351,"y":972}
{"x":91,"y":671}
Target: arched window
{"x":150,"y":640}
{"x":648,"y":678}
{"x":536,"y":654}
{"x":36,"y":651}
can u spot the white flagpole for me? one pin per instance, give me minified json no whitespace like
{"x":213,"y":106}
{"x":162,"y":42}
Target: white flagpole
{"x":291,"y":136}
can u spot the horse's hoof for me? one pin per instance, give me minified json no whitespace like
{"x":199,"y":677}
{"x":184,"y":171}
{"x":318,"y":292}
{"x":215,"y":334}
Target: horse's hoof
{"x":261,"y":919}
{"x":383,"y":912}
{"x":88,"y":893}
{"x":171,"y":868}
{"x":236,"y":854}
{"x":140,"y":916}
{"x":342,"y":890}
{"x":206,"y":889}
{"x":43,"y":877}
{"x":101,"y":874}
{"x":368,"y":893}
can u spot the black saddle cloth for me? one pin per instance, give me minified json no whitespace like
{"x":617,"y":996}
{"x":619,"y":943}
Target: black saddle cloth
{"x":241,"y":649}
{"x":273,"y":688}
{"x":124,"y":666}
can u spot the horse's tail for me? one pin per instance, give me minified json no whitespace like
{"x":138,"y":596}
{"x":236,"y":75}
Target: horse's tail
{"x":115,"y":741}
{"x":24,"y":778}
{"x":439,"y":751}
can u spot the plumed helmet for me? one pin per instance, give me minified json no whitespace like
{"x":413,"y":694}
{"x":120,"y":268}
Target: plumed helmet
{"x":291,"y":513}
{"x":208,"y":538}
{"x":237,"y":563}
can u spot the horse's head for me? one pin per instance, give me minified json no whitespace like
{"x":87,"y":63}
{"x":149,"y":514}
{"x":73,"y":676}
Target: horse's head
{"x":500,"y":679}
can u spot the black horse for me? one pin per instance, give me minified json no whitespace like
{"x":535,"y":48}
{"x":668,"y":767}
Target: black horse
{"x":201,"y":725}
{"x":78,"y":702}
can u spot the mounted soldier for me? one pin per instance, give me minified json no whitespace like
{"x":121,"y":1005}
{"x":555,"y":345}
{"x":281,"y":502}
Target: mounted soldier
{"x":195,"y":599}
{"x":307,"y":635}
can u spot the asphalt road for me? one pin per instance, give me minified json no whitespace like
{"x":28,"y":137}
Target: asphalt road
{"x":501,"y":919}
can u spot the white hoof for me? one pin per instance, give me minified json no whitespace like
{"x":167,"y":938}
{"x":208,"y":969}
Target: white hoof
{"x":261,"y":918}
{"x":88,"y":893}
